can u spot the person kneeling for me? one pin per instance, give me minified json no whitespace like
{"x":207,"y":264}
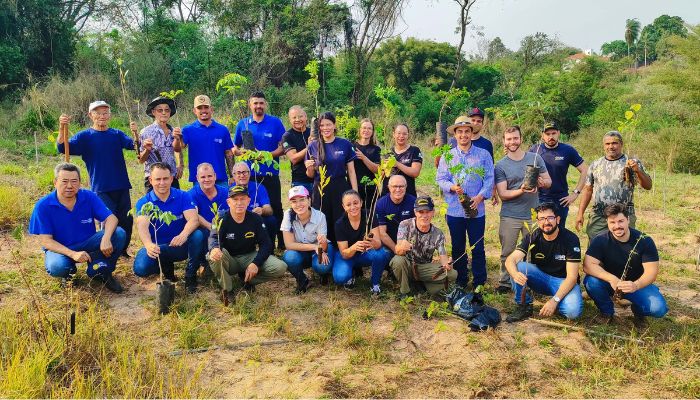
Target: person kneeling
{"x":417,"y":240}
{"x":304,"y":230}
{"x":65,"y":222}
{"x":556,"y":256}
{"x":176,"y":241}
{"x":232,"y":246}
{"x":623,"y":262}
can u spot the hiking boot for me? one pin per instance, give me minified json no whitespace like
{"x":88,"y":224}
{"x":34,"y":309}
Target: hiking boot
{"x":325,"y":280}
{"x":503,"y":289}
{"x":350,"y":285}
{"x":640,"y":321}
{"x":230,"y":296}
{"x":605,"y":319}
{"x":522,"y":311}
{"x":191,"y":284}
{"x":110,"y":283}
{"x":248,"y":288}
{"x":302,"y":288}
{"x":375,"y":291}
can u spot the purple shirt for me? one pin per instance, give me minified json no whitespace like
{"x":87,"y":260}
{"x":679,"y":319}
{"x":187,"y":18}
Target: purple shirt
{"x":473,"y":184}
{"x":162,"y":148}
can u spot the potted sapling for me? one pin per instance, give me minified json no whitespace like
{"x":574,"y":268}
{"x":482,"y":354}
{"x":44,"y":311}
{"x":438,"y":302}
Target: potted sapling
{"x":532,"y":172}
{"x":216,"y":225}
{"x":628,"y":128}
{"x":460,"y":173}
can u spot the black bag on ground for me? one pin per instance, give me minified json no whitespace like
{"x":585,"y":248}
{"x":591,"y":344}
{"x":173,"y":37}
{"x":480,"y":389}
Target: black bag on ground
{"x":470,"y":307}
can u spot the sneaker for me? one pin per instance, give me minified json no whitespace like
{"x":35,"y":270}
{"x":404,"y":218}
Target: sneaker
{"x":325,"y":280}
{"x":191,"y":284}
{"x":522,"y":311}
{"x":110,"y":283}
{"x":350,"y":285}
{"x":301,"y":289}
{"x":503,"y":289}
{"x":375,"y":291}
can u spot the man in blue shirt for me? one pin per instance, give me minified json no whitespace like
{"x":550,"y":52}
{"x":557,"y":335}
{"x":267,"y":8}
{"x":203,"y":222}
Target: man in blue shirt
{"x":65,"y":219}
{"x":265,"y":132}
{"x":172,"y":242}
{"x":208,"y":140}
{"x":557,"y":157}
{"x":391,"y":209}
{"x":101,"y":149}
{"x":259,"y":198}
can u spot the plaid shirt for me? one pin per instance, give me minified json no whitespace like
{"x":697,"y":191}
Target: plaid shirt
{"x":162,"y":146}
{"x":473,"y":184}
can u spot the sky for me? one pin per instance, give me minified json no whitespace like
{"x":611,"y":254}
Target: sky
{"x":582,"y":24}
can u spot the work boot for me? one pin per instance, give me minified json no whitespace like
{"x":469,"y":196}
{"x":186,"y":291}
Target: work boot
{"x":303,"y":287}
{"x":640,"y":321}
{"x":605,"y":319}
{"x":325,"y":279}
{"x":110,"y":283}
{"x":522,"y":311}
{"x":503,"y":289}
{"x":191,"y":284}
{"x":248,"y":288}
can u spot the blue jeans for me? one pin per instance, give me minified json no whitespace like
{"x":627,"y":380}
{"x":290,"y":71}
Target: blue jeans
{"x":571,"y":306}
{"x":377,"y":259}
{"x":61,"y":266}
{"x":460,"y":228}
{"x":191,"y":250}
{"x":646,"y":301}
{"x":298,"y":260}
{"x":308,"y":185}
{"x":119,"y":203}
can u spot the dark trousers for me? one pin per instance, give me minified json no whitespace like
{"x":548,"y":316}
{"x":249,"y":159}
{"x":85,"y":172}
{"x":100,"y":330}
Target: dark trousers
{"x":149,"y":187}
{"x":460,"y":228}
{"x":119,"y":203}
{"x":332,"y":206}
{"x":274,"y":191}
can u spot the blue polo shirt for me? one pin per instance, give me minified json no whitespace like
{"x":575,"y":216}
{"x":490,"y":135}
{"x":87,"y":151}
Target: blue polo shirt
{"x":256,"y":200}
{"x":267,"y":135}
{"x":67,"y":227}
{"x":557,"y":161}
{"x":177,"y":203}
{"x":391,"y":214}
{"x":207,"y":144}
{"x":102,"y":153}
{"x":337,"y":155}
{"x":204,"y":204}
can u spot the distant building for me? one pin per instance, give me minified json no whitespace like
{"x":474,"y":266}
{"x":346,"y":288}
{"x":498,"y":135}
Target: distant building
{"x":572,"y":60}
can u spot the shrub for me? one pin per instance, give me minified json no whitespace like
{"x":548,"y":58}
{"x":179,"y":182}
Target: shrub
{"x":15,"y":206}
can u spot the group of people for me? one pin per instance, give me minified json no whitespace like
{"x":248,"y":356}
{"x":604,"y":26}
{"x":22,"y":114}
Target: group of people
{"x":339,"y":221}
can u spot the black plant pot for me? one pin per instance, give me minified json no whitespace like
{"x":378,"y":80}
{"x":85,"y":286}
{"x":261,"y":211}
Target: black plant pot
{"x":165,"y":296}
{"x":531,"y":175}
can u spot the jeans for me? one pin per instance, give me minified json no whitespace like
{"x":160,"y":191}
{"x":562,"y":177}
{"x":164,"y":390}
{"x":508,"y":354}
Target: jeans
{"x":377,"y":259}
{"x":647,"y":301}
{"x":298,"y":260}
{"x":509,"y":231}
{"x":274,"y":191}
{"x":61,"y":266}
{"x":119,"y":203}
{"x":460,"y":228}
{"x":192,"y":250}
{"x":571,"y":306}
{"x":308,"y":185}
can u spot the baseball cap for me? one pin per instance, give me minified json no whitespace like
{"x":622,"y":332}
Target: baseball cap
{"x":238,"y":190}
{"x":298,"y":191}
{"x":475,"y":111}
{"x":202,"y":100}
{"x":98,"y":103}
{"x":549,"y":125}
{"x":424,"y":203}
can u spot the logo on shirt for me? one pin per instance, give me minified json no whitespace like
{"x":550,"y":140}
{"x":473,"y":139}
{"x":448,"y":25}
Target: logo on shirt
{"x":230,"y":236}
{"x":86,"y":221}
{"x":339,"y":152}
{"x":577,"y":249}
{"x":218,"y":141}
{"x":560,"y":257}
{"x":559,"y":158}
{"x":405,"y":212}
{"x":267,"y":134}
{"x":539,"y":256}
{"x":249,"y":235}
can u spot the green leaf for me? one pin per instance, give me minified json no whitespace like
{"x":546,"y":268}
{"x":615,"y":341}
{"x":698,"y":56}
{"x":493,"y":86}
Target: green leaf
{"x":629,"y":115}
{"x":636,"y":107}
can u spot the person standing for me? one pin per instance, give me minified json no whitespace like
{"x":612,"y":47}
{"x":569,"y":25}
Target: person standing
{"x":474,"y":179}
{"x":294,"y":144}
{"x":101,"y":149}
{"x":208,"y":141}
{"x":369,"y":156}
{"x":606,"y":185}
{"x":518,"y":200}
{"x":157,"y":140}
{"x":557,"y":157}
{"x":409,"y":159}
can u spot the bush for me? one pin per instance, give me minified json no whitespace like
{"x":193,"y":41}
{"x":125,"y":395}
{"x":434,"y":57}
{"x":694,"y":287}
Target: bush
{"x":15,"y":206}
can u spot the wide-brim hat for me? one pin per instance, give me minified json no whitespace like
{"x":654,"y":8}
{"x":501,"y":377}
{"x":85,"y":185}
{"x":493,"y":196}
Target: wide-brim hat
{"x":460,"y":121}
{"x":161,"y":100}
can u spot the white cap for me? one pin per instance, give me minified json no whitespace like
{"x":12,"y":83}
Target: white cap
{"x":98,"y":103}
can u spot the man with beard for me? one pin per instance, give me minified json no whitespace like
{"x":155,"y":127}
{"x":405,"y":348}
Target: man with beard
{"x":605,"y":183}
{"x":518,"y":201}
{"x":623,"y":260}
{"x":547,"y":261}
{"x":294,"y":143}
{"x":266,"y":132}
{"x":557,"y":157}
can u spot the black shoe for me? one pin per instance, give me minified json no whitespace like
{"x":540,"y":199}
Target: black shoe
{"x":350,"y":285}
{"x":325,"y":280}
{"x":111,"y":283}
{"x":191,"y":284}
{"x":230,"y":297}
{"x":522,"y":311}
{"x":171,"y":277}
{"x":248,"y":288}
{"x":301,"y":289}
{"x":640,"y":322}
{"x":502,"y":289}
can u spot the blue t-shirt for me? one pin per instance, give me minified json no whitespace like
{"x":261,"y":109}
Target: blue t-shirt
{"x":267,"y":135}
{"x":204,"y":204}
{"x":258,"y":195}
{"x":481,"y":143}
{"x":557,"y":161}
{"x":207,"y":144}
{"x":177,"y":203}
{"x":103,"y":156}
{"x":337,"y":154}
{"x":391,"y":214}
{"x":50,"y":217}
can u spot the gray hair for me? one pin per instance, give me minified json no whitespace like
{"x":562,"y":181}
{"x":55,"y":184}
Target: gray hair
{"x":65,"y":167}
{"x":395,"y":177}
{"x":296,"y":108}
{"x":614,"y":134}
{"x":241,"y":163}
{"x":203,"y":165}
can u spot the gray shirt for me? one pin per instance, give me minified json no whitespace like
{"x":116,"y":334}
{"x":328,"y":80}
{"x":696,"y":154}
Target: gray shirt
{"x":513,"y":173}
{"x":307,"y":234}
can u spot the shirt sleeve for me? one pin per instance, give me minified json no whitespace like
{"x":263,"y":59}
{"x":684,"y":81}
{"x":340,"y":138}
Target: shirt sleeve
{"x":39,"y":223}
{"x":187,"y":202}
{"x":350,"y":152}
{"x":487,"y":186}
{"x":573,"y":249}
{"x":416,"y":155}
{"x":575,"y":158}
{"x":99,"y":209}
{"x":264,"y":243}
{"x":227,"y":138}
{"x":649,"y":253}
{"x":127,"y":141}
{"x":499,"y":174}
{"x":524,"y":243}
{"x":402,"y":233}
{"x":440,"y":244}
{"x":589,"y":176}
{"x":139,"y":205}
{"x":340,"y":235}
{"x":596,"y":248}
{"x":238,"y":136}
{"x":286,"y":224}
{"x":286,"y":146}
{"x":312,"y":150}
{"x":541,"y":164}
{"x":279,"y":130}
{"x":380,"y":213}
{"x":186,"y":134}
{"x":443,"y":176}
{"x":75,"y":143}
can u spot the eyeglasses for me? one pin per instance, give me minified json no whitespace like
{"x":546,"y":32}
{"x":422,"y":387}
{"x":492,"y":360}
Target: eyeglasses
{"x":102,"y":114}
{"x":551,"y":218}
{"x":241,"y":172}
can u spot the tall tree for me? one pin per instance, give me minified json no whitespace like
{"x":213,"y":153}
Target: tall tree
{"x":496,"y":50}
{"x":662,"y":27}
{"x":631,"y":33}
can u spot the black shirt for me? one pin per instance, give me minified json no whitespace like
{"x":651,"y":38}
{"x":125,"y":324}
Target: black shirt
{"x":407,"y":158}
{"x":551,"y":256}
{"x":344,"y":232}
{"x":613,"y":254}
{"x":371,"y":151}
{"x":295,"y":140}
{"x":243,"y":238}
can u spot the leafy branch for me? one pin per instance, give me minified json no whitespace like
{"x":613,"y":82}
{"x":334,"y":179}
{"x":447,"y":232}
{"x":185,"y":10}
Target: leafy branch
{"x":233,"y":84}
{"x":312,"y":84}
{"x":156,"y":218}
{"x":628,"y":128}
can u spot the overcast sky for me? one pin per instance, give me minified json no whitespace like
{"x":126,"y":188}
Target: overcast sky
{"x":583,"y":24}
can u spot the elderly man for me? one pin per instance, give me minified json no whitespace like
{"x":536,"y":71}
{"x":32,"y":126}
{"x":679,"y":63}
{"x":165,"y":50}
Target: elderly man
{"x":208,"y":141}
{"x":101,"y":149}
{"x":242,"y":246}
{"x":623,"y":262}
{"x":157,"y":140}
{"x":65,"y":220}
{"x":205,"y":196}
{"x":552,"y":269}
{"x":418,"y":239}
{"x":392,"y":208}
{"x":294,"y":143}
{"x":260,"y":203}
{"x":606,"y":184}
{"x":177,"y":241}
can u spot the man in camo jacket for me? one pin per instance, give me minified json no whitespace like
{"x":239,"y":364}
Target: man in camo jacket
{"x":605,"y":183}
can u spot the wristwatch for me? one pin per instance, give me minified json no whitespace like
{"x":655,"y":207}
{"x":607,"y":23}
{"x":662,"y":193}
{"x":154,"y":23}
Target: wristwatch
{"x":556,"y":298}
{"x":577,"y":191}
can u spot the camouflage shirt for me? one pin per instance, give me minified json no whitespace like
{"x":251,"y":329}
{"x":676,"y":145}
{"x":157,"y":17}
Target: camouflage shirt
{"x":424,"y":244}
{"x":606,"y":178}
